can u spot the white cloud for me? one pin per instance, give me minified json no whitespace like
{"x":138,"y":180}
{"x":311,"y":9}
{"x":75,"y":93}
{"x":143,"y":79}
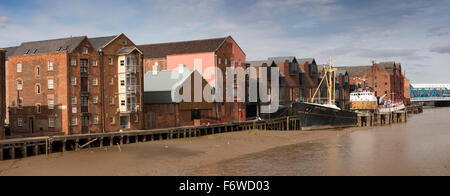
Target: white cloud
{"x":3,"y":21}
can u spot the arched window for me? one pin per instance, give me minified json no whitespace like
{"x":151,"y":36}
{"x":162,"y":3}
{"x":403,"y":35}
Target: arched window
{"x":38,"y":71}
{"x":38,"y":89}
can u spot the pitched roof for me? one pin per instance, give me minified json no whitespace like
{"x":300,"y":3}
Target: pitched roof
{"x":303,"y":61}
{"x":388,"y":66}
{"x":100,"y":42}
{"x":48,"y":46}
{"x":127,"y":50}
{"x":255,"y":63}
{"x":161,"y":88}
{"x":355,"y":70}
{"x":161,"y":50}
{"x":10,"y":51}
{"x":283,"y":59}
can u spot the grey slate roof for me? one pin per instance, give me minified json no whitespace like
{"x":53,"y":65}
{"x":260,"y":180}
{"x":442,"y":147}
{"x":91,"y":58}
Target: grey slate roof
{"x":49,"y":46}
{"x":278,"y":60}
{"x":127,"y":50}
{"x":10,"y":51}
{"x":161,"y":50}
{"x":100,"y":42}
{"x":303,"y":61}
{"x":389,"y":66}
{"x":255,"y":63}
{"x":355,"y":70}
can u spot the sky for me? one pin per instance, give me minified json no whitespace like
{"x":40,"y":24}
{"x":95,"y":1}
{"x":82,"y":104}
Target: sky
{"x":415,"y":33}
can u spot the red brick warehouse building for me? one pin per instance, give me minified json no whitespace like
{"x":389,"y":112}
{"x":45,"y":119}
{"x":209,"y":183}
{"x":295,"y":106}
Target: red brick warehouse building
{"x":58,"y":86}
{"x":2,"y":93}
{"x":200,"y":55}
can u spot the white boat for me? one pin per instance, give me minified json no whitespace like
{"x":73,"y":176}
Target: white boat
{"x":363,"y":100}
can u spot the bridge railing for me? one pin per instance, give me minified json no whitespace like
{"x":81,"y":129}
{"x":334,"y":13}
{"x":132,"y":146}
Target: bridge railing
{"x":429,"y":92}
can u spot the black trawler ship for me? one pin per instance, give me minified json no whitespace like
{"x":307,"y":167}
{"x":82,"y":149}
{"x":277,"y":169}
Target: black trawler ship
{"x":317,"y":116}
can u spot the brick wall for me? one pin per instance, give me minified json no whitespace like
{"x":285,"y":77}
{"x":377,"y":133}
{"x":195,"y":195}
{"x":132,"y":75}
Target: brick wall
{"x":32,"y":120}
{"x":149,"y":63}
{"x":2,"y":93}
{"x":111,"y":91}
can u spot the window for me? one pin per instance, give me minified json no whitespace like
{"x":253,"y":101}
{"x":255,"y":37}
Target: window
{"x":94,"y":81}
{"x":74,"y":100}
{"x":122,"y":63}
{"x":239,"y":62}
{"x":38,"y":89}
{"x":122,"y":83}
{"x":51,"y":122}
{"x":38,"y":108}
{"x":111,"y":101}
{"x":73,"y":62}
{"x":19,"y":103}
{"x":112,"y":120}
{"x":74,"y":121}
{"x":19,"y":122}
{"x":220,"y":60}
{"x":38,"y":71}
{"x":83,"y":66}
{"x":226,"y":61}
{"x":19,"y":68}
{"x":95,"y":120}
{"x":94,"y":63}
{"x":51,"y":104}
{"x":123,"y":103}
{"x":85,"y":50}
{"x":50,"y":66}
{"x":50,"y":83}
{"x":111,"y":62}
{"x":111,"y":81}
{"x":19,"y":85}
{"x":232,"y":63}
{"x":74,"y":81}
{"x":95,"y":99}
{"x":74,"y":110}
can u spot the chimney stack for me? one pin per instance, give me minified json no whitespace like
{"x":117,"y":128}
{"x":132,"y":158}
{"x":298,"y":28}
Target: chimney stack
{"x":181,"y":68}
{"x":155,"y":69}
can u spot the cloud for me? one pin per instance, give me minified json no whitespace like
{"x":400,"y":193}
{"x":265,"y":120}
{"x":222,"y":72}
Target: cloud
{"x":437,"y":32}
{"x":441,"y":48}
{"x":387,"y":52}
{"x":3,"y":21}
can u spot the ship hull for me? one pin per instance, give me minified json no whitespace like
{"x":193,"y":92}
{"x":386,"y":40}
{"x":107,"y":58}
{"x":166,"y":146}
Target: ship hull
{"x":316,"y":117}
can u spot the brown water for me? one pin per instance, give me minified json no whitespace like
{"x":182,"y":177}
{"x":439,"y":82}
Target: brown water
{"x":419,"y":147}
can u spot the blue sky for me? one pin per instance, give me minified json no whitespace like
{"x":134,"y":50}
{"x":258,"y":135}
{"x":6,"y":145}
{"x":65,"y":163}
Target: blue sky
{"x":355,"y":32}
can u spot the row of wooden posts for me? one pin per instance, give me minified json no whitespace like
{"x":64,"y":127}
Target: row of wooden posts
{"x":25,"y":147}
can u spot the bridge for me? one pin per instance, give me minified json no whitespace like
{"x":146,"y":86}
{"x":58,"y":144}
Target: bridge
{"x":430,"y":92}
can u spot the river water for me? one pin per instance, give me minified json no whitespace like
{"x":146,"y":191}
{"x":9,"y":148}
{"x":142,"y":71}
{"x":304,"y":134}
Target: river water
{"x":419,"y":147}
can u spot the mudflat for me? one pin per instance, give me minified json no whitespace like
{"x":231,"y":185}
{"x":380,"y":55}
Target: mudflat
{"x":160,"y":158}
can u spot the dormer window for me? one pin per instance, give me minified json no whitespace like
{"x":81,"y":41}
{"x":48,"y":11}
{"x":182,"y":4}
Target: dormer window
{"x":59,"y":49}
{"x":27,"y":52}
{"x":35,"y":50}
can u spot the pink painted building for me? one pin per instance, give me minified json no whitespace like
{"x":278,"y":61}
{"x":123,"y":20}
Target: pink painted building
{"x":200,"y":55}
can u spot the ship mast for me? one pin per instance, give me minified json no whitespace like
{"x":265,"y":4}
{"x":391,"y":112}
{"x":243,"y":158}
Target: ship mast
{"x":329,"y":77}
